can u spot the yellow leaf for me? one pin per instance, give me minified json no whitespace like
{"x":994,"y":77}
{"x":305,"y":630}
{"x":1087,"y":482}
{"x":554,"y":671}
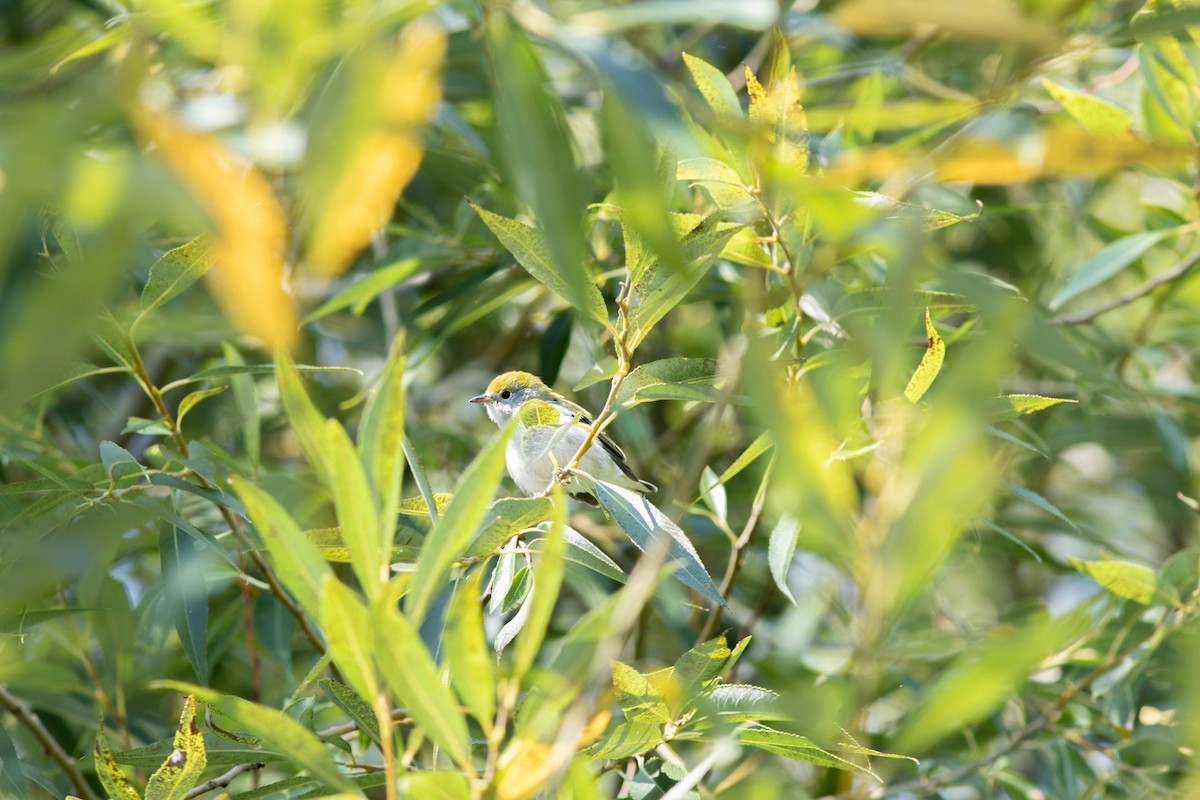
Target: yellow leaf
{"x":248,"y":250}
{"x":527,"y":764}
{"x":1098,"y":116}
{"x":384,"y":158}
{"x":538,"y":412}
{"x":930,"y":364}
{"x":982,"y":19}
{"x":777,"y":113}
{"x":1059,"y":150}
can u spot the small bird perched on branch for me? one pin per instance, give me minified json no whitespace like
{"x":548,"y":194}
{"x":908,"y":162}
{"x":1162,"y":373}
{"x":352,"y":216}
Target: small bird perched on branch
{"x":559,"y":427}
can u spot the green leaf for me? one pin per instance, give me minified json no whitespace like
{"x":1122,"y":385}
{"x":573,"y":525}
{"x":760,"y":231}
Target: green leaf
{"x":416,"y":506}
{"x":178,"y":269}
{"x":354,"y":705}
{"x":379,"y":438}
{"x":182,"y":770}
{"x":1011,"y":406}
{"x":357,"y":514}
{"x":230,"y":370}
{"x":535,"y":141}
{"x":532,"y":251}
{"x":185,"y":595}
{"x":583,"y":552}
{"x":191,"y":400}
{"x":467,"y":652}
{"x":219,"y":751}
{"x":417,"y":682}
{"x":1123,"y":578}
{"x":436,"y":786}
{"x":307,"y":423}
{"x":345,"y":622}
{"x":716,"y":90}
{"x":703,"y":664}
{"x":676,"y":373}
{"x":547,"y":583}
{"x":276,"y":729}
{"x":245,"y":397}
{"x":1098,"y":116}
{"x":627,"y":739}
{"x":537,"y":412}
{"x":780,"y":550}
{"x":454,"y":532}
{"x":358,"y":295}
{"x":297,"y":562}
{"x":1033,"y":498}
{"x":12,"y":779}
{"x":111,"y":778}
{"x":637,"y":697}
{"x":112,"y":455}
{"x":505,"y":518}
{"x":646,"y":526}
{"x":797,"y":748}
{"x":931,"y":363}
{"x":657,"y":288}
{"x":1115,"y":257}
{"x":743,"y":703}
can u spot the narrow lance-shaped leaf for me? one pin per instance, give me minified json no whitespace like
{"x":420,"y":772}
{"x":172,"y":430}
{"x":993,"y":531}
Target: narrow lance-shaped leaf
{"x":306,"y":421}
{"x":454,"y":531}
{"x":112,"y":779}
{"x":646,"y":526}
{"x":276,"y":729}
{"x":183,"y":768}
{"x":297,"y":562}
{"x":347,"y":629}
{"x":536,"y":144}
{"x":178,"y":269}
{"x":467,"y":652}
{"x":417,"y":682}
{"x":532,"y":251}
{"x":549,"y":576}
{"x":356,"y":510}
{"x":185,"y":594}
{"x":379,"y":439}
{"x":931,"y":363}
{"x":1115,"y":257}
{"x":780,"y":550}
{"x":1098,"y":116}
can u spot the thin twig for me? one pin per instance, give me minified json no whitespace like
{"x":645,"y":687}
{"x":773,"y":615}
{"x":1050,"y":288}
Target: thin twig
{"x":224,"y":780}
{"x":1179,"y":270}
{"x":70,"y":766}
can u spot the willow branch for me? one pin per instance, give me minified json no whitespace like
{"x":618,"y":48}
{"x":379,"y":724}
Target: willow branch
{"x":30,"y":720}
{"x":223,"y":780}
{"x":1179,"y":270}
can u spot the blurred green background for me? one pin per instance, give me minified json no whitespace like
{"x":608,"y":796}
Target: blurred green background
{"x":1007,"y":597}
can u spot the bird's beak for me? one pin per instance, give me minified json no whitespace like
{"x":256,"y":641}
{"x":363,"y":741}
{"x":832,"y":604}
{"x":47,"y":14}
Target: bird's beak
{"x":483,"y":398}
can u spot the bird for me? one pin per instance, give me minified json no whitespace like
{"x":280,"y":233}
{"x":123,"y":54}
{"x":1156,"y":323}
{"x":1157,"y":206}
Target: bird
{"x":533,"y":459}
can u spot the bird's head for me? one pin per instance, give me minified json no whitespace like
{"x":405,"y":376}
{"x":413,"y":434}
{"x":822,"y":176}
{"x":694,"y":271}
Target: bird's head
{"x":508,"y":392}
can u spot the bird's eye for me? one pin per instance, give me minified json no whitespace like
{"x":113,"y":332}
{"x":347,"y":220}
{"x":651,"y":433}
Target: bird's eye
{"x":505,"y":394}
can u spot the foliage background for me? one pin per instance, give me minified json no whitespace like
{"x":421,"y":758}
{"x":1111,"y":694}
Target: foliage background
{"x":1006,"y":598}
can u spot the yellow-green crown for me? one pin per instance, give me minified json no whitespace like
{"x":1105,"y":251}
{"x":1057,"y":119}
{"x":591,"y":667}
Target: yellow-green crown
{"x":513,"y":381}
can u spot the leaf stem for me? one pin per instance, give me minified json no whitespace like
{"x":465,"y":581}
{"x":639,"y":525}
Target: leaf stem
{"x":1178,"y":271}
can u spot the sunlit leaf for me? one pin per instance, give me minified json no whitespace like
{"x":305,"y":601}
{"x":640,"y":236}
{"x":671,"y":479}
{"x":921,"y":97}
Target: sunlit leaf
{"x":451,"y":537}
{"x":279,"y":731}
{"x":178,"y":269}
{"x":182,"y":770}
{"x":1123,"y":578}
{"x":417,"y":682}
{"x":353,"y":704}
{"x":780,"y":550}
{"x":1098,"y":116}
{"x":467,"y":652}
{"x":532,"y":250}
{"x":931,"y":363}
{"x":110,"y":775}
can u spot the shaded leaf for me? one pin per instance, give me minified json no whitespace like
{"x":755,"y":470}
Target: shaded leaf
{"x":646,"y":526}
{"x":780,"y":550}
{"x":1115,"y":257}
